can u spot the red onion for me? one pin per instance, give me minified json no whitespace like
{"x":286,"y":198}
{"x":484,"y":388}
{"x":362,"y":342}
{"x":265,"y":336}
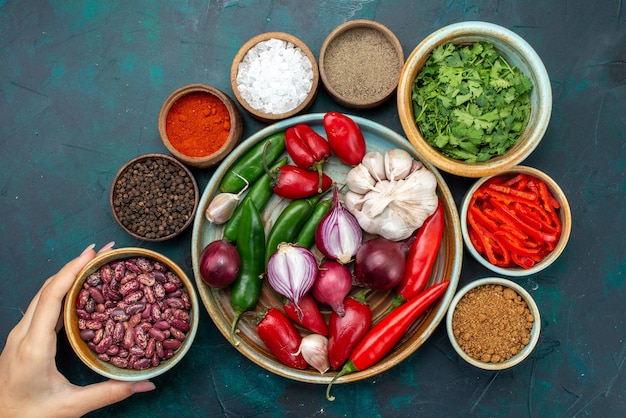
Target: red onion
{"x":332,"y":285}
{"x":380,"y":264}
{"x":338,"y":235}
{"x":219,"y":264}
{"x":291,"y":272}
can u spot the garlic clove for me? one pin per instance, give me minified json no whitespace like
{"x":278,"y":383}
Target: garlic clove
{"x":374,"y":161}
{"x":397,"y":163}
{"x":221,"y":208}
{"x":359,"y":180}
{"x":314,"y":349}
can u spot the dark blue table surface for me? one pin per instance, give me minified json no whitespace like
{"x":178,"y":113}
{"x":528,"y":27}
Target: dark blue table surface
{"x":81,"y":85}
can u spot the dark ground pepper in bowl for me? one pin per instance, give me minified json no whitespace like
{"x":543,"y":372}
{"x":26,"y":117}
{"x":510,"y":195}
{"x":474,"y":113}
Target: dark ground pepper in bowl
{"x":154,"y":197}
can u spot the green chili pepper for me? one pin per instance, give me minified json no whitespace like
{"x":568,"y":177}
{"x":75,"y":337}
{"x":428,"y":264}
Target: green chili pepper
{"x":306,"y":236}
{"x":288,"y":223}
{"x":250,"y":166}
{"x":246,"y":288}
{"x":260,"y":193}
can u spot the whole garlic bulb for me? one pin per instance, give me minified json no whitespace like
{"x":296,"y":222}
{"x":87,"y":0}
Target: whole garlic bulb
{"x":403,"y":193}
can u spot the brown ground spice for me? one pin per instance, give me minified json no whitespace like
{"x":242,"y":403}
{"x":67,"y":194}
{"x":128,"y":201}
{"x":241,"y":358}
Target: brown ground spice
{"x":492,"y":323}
{"x":361,"y":64}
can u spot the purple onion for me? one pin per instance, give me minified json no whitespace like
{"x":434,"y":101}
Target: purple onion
{"x":332,"y":285}
{"x":338,"y":235}
{"x":291,"y":272}
{"x":380,"y":264}
{"x":219,"y":264}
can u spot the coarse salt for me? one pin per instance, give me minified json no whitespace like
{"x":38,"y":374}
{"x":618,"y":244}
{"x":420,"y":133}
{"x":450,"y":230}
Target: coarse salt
{"x":275,"y":76}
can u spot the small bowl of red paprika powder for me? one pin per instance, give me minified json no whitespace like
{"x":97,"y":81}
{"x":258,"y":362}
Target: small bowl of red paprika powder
{"x":199,"y":125}
{"x":516,"y":223}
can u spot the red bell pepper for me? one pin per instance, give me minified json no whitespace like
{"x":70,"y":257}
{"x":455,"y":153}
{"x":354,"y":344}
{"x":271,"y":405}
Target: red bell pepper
{"x":307,"y":148}
{"x":345,"y":138}
{"x":292,"y":182}
{"x":312,"y":318}
{"x":282,"y":338}
{"x":385,"y":334}
{"x":347,"y":330}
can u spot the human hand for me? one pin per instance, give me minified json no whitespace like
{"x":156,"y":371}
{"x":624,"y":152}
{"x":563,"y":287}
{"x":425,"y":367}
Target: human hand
{"x":29,"y":380}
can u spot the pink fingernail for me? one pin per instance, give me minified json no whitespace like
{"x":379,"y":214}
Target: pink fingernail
{"x":140,"y":387}
{"x":106,"y":247}
{"x":86,"y":250}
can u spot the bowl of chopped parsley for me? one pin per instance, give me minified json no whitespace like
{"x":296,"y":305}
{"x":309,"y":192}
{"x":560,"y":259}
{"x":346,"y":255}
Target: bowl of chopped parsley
{"x":474,"y":98}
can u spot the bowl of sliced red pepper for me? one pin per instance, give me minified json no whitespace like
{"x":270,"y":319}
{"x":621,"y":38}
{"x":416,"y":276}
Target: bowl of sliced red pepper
{"x":517,"y":222}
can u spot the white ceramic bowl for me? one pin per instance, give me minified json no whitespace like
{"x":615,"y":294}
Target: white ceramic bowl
{"x":534,"y":332}
{"x":564,"y":214}
{"x":518,"y":53}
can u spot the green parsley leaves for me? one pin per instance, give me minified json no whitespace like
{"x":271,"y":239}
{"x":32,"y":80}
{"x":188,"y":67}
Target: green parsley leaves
{"x":469,"y":102}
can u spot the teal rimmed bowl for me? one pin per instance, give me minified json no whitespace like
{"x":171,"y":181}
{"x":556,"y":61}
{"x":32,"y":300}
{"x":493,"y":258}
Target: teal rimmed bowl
{"x":217,"y":302}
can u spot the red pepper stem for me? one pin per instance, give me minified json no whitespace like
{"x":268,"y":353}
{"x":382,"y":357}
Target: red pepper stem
{"x":347,"y":368}
{"x":397,"y":301}
{"x":318,"y":166}
{"x":361,"y":296}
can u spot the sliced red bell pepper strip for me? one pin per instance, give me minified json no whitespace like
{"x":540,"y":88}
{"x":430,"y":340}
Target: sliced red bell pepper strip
{"x":513,"y":192}
{"x":538,"y":235}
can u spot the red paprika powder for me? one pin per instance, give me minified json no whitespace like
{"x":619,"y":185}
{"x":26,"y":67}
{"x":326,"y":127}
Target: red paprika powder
{"x":197,"y":124}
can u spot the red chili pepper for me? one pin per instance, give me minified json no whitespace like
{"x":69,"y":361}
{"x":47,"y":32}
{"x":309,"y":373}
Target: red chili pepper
{"x":422,"y":255}
{"x":307,"y":148}
{"x":282,"y":338}
{"x":291,"y":182}
{"x":312,"y":317}
{"x":345,"y":138}
{"x":385,"y":334}
{"x":345,"y":332}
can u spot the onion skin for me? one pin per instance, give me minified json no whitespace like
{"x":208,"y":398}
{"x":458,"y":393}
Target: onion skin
{"x":380,"y":263}
{"x":332,"y":285}
{"x":219,"y":264}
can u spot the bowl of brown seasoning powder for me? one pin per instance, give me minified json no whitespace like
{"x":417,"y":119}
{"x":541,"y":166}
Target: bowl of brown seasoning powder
{"x":360,"y":64}
{"x":493,"y":323}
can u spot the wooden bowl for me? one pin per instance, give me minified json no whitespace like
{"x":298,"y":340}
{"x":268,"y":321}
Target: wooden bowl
{"x":518,"y":53}
{"x":534,"y":332}
{"x":133,"y":198}
{"x":271,"y":116}
{"x":360,"y":63}
{"x":234,"y":122}
{"x":217,"y":301}
{"x":87,"y":355}
{"x":565,"y":216}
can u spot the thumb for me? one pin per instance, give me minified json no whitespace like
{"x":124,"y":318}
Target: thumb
{"x":98,"y":395}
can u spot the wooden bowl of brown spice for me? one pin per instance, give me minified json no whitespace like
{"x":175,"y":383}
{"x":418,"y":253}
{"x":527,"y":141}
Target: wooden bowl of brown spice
{"x":360,"y":64}
{"x":493,"y":323}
